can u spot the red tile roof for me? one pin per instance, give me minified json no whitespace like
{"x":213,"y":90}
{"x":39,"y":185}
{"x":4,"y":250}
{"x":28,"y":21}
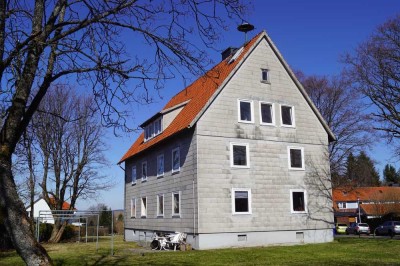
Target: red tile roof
{"x":200,"y":92}
{"x":65,"y":205}
{"x":365,"y":193}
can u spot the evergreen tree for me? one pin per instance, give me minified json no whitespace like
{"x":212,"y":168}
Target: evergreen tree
{"x":361,"y":171}
{"x":390,"y":175}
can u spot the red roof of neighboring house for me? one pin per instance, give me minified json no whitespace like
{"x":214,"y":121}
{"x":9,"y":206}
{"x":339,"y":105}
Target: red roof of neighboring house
{"x":363,"y":193}
{"x":380,"y":209}
{"x":65,"y":205}
{"x":199,"y":94}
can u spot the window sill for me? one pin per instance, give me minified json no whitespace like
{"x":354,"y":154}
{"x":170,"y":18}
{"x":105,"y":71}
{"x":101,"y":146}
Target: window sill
{"x":143,"y":217}
{"x":132,"y":217}
{"x":298,"y":212}
{"x":176,"y":216}
{"x":241,"y":213}
{"x":288,"y":126}
{"x":297,"y":169}
{"x":269,"y":125}
{"x":133,"y":184}
{"x":265,"y":81}
{"x":160,"y":216}
{"x":160,"y":176}
{"x":246,"y":122}
{"x":240,"y":167}
{"x":175,"y":172}
{"x":144,"y":180}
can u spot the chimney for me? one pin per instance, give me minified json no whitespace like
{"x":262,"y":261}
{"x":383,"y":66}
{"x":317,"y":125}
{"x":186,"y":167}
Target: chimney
{"x":227,"y":52}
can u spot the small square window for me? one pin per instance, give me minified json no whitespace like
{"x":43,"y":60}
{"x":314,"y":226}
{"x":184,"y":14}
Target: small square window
{"x":144,"y":171}
{"x":133,"y":208}
{"x":267,"y":113}
{"x":241,"y":201}
{"x":143,"y":207}
{"x":246,"y":111}
{"x":176,"y":161}
{"x":160,"y":165}
{"x":160,"y":205}
{"x":265,"y":75}
{"x":298,"y":201}
{"x":296,"y":158}
{"x":240,"y":155}
{"x":134,"y":175}
{"x":287,"y":116}
{"x":176,"y":204}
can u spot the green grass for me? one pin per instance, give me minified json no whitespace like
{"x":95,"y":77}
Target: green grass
{"x":343,"y":251}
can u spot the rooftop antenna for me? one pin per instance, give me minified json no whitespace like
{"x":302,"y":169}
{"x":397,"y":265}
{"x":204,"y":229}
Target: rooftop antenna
{"x":245,"y":27}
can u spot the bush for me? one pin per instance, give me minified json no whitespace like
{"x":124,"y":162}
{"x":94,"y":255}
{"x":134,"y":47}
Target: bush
{"x":69,"y":233}
{"x":45,"y":232}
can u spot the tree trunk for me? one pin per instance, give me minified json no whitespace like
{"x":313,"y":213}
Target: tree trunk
{"x":58,"y":231}
{"x":16,"y":219}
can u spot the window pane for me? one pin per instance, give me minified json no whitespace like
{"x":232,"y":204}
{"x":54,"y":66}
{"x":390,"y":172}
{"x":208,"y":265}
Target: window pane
{"x":264,"y":74}
{"x":144,"y":170}
{"x":295,"y":158}
{"x":133,"y":208}
{"x":239,"y":155}
{"x":298,"y":201}
{"x":144,"y":206}
{"x":160,"y":165}
{"x":245,"y":111}
{"x":175,"y":160}
{"x":286,"y":115}
{"x":160,"y":205}
{"x":134,"y":174}
{"x":266,"y":113}
{"x":241,"y":201}
{"x":176,"y":203}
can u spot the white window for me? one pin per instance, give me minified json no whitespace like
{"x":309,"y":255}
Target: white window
{"x":176,"y":203}
{"x":241,"y":201}
{"x":296,"y":158}
{"x":287,"y":116}
{"x":133,"y":208}
{"x":267,"y":113}
{"x":160,"y":205}
{"x":245,"y":113}
{"x":143,"y":207}
{"x":342,"y":205}
{"x":176,"y":161}
{"x":298,"y":201}
{"x":160,"y":165}
{"x":265,"y":75}
{"x":144,"y":171}
{"x":240,"y":155}
{"x":153,"y":129}
{"x":134,"y":175}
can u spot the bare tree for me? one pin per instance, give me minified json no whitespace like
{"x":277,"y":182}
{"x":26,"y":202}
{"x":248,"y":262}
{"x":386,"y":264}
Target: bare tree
{"x":374,"y":68}
{"x":42,"y":42}
{"x":68,"y":130}
{"x":343,"y":111}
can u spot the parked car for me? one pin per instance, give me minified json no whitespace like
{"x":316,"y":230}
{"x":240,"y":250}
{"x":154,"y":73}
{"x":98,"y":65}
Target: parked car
{"x":341,"y":228}
{"x":388,"y":228}
{"x":358,"y":229}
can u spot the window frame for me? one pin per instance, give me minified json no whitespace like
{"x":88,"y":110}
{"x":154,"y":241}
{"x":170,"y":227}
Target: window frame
{"x":251,"y":111}
{"x":232,"y":161}
{"x":265,"y":70}
{"x":144,"y":177}
{"x":174,"y":214}
{"x":143,"y":207}
{"x":292,"y":115}
{"x":272,"y":114}
{"x":158,"y":205}
{"x":233,"y":198}
{"x":342,"y":205}
{"x":173,"y":171}
{"x":302,"y":168}
{"x":304,"y":197}
{"x":153,"y":129}
{"x":158,"y":166}
{"x":133,"y":203}
{"x":133,"y":175}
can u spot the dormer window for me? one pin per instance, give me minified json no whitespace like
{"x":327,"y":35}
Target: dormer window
{"x":153,"y":129}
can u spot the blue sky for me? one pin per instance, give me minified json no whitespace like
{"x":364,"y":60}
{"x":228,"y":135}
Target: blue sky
{"x":311,"y":36}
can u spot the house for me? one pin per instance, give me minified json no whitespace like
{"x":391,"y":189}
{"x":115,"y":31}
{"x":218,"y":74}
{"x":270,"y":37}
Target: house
{"x":355,"y":204}
{"x":225,"y":160}
{"x":41,"y":209}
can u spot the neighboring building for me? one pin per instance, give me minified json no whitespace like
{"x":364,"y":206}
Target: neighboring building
{"x":226,"y":159}
{"x":41,"y":208}
{"x":352,"y":204}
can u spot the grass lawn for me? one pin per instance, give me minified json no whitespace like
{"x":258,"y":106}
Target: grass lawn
{"x":343,"y":251}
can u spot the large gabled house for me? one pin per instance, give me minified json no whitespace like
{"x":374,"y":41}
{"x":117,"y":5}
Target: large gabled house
{"x":43,"y":211}
{"x":225,"y":161}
